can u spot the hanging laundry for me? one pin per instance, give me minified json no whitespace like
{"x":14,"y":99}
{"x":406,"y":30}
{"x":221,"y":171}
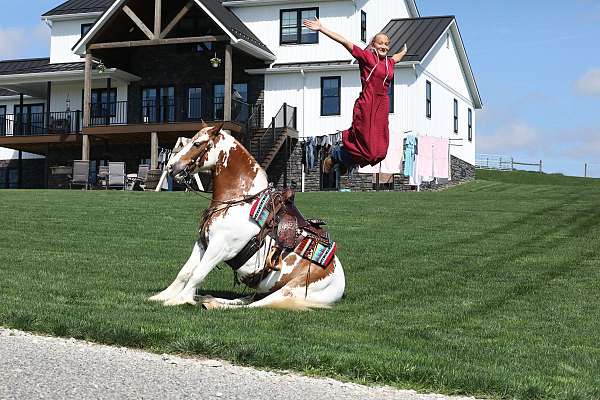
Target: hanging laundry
{"x":441,"y":162}
{"x":410,"y":150}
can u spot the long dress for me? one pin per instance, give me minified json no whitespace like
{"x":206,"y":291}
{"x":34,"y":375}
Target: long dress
{"x":368,"y":138}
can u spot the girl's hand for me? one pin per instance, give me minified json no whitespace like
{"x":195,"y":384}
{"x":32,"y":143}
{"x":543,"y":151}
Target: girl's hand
{"x":313,"y":24}
{"x":404,"y":49}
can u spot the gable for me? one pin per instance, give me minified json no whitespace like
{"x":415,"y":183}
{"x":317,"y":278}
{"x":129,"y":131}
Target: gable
{"x":116,"y":25}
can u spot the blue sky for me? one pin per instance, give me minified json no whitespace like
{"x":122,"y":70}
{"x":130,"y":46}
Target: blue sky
{"x":536,"y":63}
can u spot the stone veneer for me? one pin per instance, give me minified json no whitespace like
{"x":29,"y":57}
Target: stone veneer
{"x":286,"y":170}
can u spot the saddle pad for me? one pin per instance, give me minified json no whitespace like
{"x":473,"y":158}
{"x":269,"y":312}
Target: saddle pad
{"x":259,"y":211}
{"x":316,"y":251}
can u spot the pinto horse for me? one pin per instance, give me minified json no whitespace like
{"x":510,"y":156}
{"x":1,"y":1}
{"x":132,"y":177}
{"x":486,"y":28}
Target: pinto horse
{"x":293,"y":282}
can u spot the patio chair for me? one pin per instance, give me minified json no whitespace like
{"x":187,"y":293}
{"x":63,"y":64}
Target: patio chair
{"x":116,"y":175}
{"x":137,"y":181}
{"x":102,"y":176}
{"x":81,"y":173}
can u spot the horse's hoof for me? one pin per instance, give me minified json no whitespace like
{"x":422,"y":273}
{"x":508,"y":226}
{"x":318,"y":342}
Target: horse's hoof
{"x":178,"y":302}
{"x":210,"y":305}
{"x":156,"y":297}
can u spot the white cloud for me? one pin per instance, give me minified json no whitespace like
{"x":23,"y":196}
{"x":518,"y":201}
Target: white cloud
{"x":589,"y":83}
{"x":20,"y":42}
{"x":515,"y":136}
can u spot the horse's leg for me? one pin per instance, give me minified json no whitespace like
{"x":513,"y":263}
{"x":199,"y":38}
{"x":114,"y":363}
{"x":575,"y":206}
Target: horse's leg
{"x":241,"y":301}
{"x":212,"y":256}
{"x":182,"y":277}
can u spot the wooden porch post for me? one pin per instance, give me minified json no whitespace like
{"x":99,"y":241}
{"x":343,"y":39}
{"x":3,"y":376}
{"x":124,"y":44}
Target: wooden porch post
{"x":228,"y":86}
{"x":153,"y":150}
{"x":87,"y":99}
{"x":108,"y":89}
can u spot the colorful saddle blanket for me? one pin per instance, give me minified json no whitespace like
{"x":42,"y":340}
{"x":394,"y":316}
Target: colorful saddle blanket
{"x":309,"y":240}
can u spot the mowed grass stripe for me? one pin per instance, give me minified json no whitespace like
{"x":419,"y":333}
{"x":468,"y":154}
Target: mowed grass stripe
{"x":489,"y":289}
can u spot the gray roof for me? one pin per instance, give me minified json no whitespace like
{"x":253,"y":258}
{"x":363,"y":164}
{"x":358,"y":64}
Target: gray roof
{"x":7,"y":92}
{"x":312,"y":64}
{"x":222,"y":13}
{"x":419,"y":34}
{"x":80,"y":7}
{"x":36,"y":65}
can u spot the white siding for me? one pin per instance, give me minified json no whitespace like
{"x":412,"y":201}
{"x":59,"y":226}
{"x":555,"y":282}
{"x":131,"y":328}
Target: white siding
{"x":379,"y":13}
{"x":280,"y":88}
{"x":443,"y":70}
{"x":64,"y":36}
{"x":264,"y":22}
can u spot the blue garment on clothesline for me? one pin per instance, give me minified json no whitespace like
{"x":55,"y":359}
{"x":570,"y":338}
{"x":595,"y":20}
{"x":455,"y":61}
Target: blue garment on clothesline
{"x":410,"y":145}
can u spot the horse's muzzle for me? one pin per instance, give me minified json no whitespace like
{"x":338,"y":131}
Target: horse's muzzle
{"x":179,"y":171}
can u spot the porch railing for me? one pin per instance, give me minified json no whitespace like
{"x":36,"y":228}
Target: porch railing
{"x":166,"y":110}
{"x":32,"y":124}
{"x":284,"y":119}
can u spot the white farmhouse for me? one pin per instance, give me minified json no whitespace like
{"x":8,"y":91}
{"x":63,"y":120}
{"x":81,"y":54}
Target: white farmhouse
{"x":127,"y":77}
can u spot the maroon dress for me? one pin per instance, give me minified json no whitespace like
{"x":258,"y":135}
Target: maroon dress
{"x":368,"y":139}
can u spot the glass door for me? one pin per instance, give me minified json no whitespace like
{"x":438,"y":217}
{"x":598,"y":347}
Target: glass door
{"x":158,"y":104}
{"x":31,"y":121}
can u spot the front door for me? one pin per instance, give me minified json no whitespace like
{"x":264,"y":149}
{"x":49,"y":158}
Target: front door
{"x":31,"y":121}
{"x":158,"y":104}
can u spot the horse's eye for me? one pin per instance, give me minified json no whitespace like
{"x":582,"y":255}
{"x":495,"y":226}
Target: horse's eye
{"x":197,"y":144}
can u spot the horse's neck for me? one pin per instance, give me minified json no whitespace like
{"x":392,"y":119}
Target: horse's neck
{"x":237,"y":174}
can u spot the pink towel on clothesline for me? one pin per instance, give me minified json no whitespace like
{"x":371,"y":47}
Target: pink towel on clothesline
{"x":392,"y":164}
{"x":432,"y":157}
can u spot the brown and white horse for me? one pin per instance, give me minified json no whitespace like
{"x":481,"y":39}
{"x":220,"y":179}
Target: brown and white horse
{"x":294,"y":283}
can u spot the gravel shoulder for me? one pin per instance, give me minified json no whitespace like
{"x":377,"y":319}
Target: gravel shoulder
{"x":44,"y":367}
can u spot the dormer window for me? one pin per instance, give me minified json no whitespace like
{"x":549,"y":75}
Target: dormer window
{"x":291,"y":29}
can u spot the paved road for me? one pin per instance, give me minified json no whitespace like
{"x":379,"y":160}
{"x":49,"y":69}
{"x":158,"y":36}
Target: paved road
{"x":50,"y":368}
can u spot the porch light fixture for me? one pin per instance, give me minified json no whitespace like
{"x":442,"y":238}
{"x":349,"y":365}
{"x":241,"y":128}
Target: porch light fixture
{"x":215,"y":61}
{"x":101,"y":68}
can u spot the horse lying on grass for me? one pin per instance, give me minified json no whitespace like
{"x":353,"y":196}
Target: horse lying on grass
{"x":256,"y":230}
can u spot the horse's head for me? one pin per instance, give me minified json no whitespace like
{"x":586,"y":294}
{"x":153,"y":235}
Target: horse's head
{"x":200,"y":154}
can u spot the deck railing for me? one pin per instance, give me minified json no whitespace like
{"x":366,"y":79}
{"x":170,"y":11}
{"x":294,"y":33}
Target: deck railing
{"x":33,"y":124}
{"x":167,"y":110}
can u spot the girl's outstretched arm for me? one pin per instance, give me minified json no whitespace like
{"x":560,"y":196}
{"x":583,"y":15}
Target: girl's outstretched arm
{"x":315,"y":25}
{"x":400,"y":55}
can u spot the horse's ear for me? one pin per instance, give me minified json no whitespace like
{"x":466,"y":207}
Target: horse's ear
{"x":203,"y":124}
{"x":215,"y":129}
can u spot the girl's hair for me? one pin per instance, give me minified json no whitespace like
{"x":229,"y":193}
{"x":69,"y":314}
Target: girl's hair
{"x":376,"y":36}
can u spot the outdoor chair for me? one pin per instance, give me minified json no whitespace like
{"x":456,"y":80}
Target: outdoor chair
{"x":81,"y":173}
{"x":116,"y":175}
{"x":138,"y":180}
{"x":102,"y":177}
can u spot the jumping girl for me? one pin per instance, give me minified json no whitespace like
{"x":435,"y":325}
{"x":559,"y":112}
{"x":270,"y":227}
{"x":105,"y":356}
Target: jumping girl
{"x":367,"y":140}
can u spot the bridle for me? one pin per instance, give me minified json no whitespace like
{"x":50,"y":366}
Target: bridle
{"x":187,"y":179}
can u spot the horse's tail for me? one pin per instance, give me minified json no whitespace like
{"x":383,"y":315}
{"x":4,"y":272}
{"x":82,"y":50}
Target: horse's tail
{"x":295,"y":304}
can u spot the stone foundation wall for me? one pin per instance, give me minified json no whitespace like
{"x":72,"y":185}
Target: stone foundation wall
{"x":287,"y":170}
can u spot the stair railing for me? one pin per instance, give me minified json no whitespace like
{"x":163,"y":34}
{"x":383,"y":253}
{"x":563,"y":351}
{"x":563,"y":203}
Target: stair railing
{"x":285,"y":118}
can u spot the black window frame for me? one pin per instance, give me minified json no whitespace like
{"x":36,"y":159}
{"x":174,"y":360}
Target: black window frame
{"x":113,"y":106}
{"x":298,"y":12}
{"x":428,"y":99}
{"x":85,"y":28}
{"x":455,"y":116}
{"x":189,"y":105}
{"x":339,"y":95}
{"x":470,"y":125}
{"x":3,"y":120}
{"x":163,"y":113}
{"x":220,"y":110}
{"x":363,"y":26}
{"x":391,"y":95}
{"x":33,"y":123}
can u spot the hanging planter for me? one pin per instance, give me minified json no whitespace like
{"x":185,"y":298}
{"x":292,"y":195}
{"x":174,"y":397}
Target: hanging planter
{"x":215,"y":61}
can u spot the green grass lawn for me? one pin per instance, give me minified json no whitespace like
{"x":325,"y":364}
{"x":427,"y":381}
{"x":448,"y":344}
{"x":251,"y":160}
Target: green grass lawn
{"x":489,"y":289}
